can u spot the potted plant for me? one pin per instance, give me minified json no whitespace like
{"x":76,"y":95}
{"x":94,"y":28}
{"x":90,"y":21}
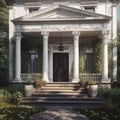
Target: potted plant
{"x":84,"y":84}
{"x":92,"y":89}
{"x":28,"y":88}
{"x":39,"y":83}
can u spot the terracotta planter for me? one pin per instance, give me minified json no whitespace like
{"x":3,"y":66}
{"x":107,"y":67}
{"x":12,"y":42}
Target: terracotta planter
{"x":37,"y":84}
{"x":93,"y":90}
{"x":28,"y":90}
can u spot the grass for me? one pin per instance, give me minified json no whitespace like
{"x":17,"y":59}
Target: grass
{"x":13,"y":112}
{"x":104,"y":113}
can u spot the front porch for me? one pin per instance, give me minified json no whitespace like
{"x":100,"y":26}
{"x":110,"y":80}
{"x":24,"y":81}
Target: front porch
{"x":61,"y":63}
{"x":54,"y":43}
{"x":71,"y":64}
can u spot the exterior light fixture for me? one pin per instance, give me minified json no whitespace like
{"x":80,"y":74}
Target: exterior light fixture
{"x":61,"y":47}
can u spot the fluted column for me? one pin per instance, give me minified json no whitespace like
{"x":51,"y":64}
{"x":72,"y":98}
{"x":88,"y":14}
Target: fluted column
{"x":104,"y":56}
{"x":18,"y":58}
{"x":76,"y":57}
{"x":45,"y":55}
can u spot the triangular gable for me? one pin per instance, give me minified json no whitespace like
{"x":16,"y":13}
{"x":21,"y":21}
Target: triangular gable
{"x":61,"y":12}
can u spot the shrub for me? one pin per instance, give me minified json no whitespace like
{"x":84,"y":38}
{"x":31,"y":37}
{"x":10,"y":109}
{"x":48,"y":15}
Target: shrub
{"x":112,"y":96}
{"x":11,"y":94}
{"x":17,"y":98}
{"x":104,"y":113}
{"x":5,"y":96}
{"x":19,"y":113}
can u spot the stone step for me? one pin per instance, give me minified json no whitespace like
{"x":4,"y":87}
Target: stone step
{"x":64,"y":103}
{"x":62,"y":84}
{"x":59,"y":95}
{"x":59,"y":98}
{"x":58,"y":91}
{"x":62,"y":94}
{"x":62,"y":87}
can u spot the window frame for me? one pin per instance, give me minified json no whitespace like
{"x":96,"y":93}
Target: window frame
{"x":90,"y":8}
{"x":31,"y":67}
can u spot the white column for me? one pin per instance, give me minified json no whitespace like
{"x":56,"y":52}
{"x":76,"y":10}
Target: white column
{"x":105,"y":56}
{"x":18,"y":58}
{"x":45,"y":56}
{"x":10,"y":60}
{"x":76,"y":57}
{"x":114,"y":36}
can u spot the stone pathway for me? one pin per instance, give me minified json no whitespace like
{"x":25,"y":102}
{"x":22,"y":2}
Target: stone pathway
{"x":58,"y":113}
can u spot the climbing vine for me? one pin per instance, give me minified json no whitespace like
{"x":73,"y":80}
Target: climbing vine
{"x":96,"y":48}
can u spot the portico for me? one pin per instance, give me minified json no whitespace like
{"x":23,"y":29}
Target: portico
{"x":50,"y":29}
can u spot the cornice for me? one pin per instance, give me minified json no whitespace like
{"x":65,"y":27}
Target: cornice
{"x":55,"y":0}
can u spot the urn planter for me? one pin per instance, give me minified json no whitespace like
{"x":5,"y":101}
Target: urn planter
{"x":93,"y":90}
{"x":28,"y":90}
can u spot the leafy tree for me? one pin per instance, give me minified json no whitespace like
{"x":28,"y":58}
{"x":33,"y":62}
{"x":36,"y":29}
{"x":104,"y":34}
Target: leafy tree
{"x":3,"y":40}
{"x":118,"y":51}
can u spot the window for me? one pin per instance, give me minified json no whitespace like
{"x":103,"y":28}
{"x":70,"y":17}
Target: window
{"x":89,"y":62}
{"x":33,"y":63}
{"x":31,"y":10}
{"x":90,"y":9}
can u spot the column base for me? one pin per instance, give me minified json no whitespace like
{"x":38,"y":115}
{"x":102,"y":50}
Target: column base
{"x":46,"y":80}
{"x":75,"y":80}
{"x":105,"y":80}
{"x":17,"y":80}
{"x":105,"y":83}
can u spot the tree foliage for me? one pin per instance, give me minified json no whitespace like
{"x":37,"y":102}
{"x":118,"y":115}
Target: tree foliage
{"x":118,"y":63}
{"x":3,"y":39}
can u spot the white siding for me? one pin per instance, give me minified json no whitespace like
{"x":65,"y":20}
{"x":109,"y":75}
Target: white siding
{"x":19,"y":10}
{"x":101,"y":8}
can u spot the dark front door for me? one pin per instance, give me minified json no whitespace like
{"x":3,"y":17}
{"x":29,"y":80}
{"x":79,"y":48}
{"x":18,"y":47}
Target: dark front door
{"x":60,"y":67}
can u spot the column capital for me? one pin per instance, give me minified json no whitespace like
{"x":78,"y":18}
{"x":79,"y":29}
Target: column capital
{"x":45,"y":33}
{"x":76,"y":33}
{"x":105,"y":33}
{"x":18,"y":34}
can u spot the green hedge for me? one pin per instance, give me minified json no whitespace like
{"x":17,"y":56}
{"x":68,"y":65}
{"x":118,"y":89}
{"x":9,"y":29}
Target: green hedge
{"x":19,"y":113}
{"x":104,"y":113}
{"x":11,"y":94}
{"x":112,"y":96}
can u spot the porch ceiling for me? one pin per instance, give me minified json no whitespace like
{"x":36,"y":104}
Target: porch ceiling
{"x":61,"y":34}
{"x":55,"y":37}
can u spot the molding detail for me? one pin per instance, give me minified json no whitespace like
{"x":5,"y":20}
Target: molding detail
{"x":76,"y":33}
{"x":60,"y":27}
{"x":45,"y":33}
{"x":105,"y":34}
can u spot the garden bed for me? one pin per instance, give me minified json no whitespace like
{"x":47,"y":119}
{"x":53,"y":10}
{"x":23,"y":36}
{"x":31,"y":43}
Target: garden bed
{"x":12,"y":112}
{"x":104,"y":113}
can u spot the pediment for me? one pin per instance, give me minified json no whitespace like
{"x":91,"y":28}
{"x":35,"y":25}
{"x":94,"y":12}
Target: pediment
{"x":61,"y":12}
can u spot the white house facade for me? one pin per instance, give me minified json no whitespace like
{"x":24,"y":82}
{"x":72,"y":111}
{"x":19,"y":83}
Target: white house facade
{"x":46,"y":38}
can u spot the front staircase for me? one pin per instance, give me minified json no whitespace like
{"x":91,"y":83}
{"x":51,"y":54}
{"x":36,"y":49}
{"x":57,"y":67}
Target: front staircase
{"x":62,"y":94}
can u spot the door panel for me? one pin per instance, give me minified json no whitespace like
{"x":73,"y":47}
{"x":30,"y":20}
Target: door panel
{"x":60,"y":67}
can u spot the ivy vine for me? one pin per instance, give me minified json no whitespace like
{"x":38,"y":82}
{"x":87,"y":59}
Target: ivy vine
{"x":96,"y":47}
